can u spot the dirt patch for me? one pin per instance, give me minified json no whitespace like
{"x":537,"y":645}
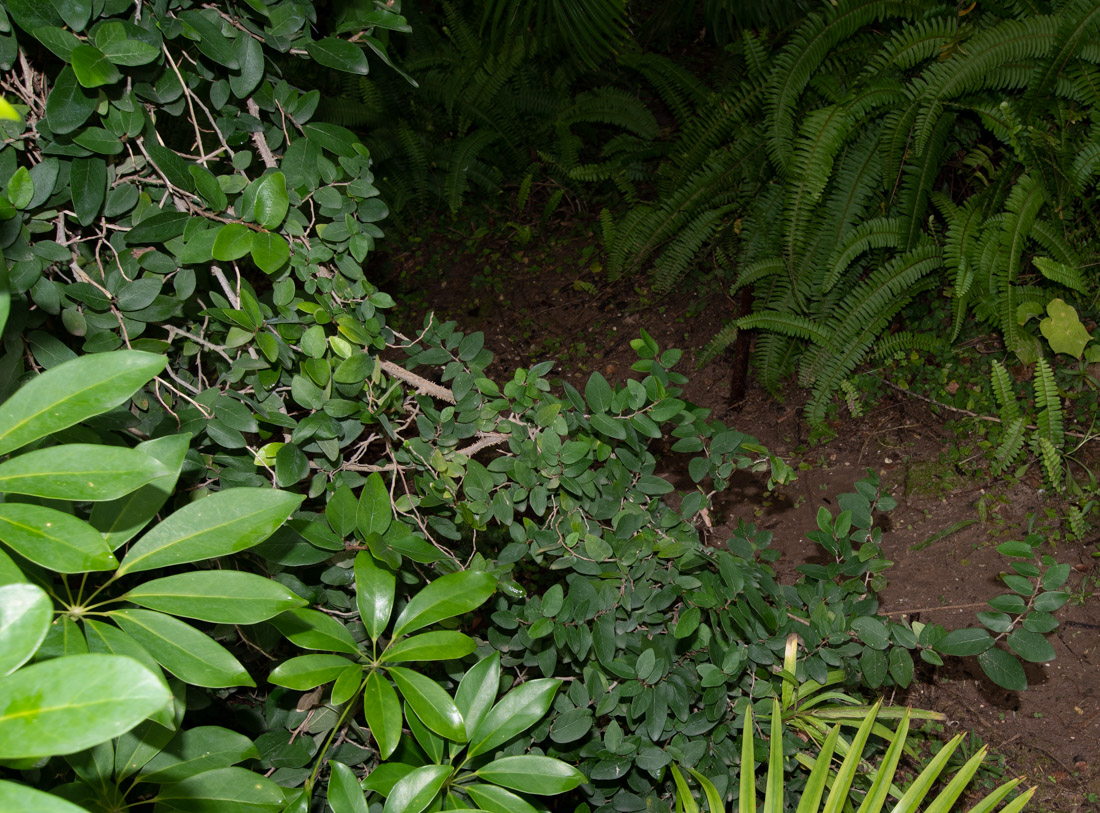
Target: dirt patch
{"x":541,"y":294}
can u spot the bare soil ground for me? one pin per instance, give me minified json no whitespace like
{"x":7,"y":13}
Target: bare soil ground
{"x":542,"y":295}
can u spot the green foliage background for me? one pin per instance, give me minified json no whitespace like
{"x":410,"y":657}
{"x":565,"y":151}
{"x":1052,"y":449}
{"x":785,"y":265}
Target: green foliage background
{"x":288,"y":556}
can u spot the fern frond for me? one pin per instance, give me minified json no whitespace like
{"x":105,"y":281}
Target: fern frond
{"x":1050,"y":236}
{"x":1010,"y":447}
{"x":919,"y":179}
{"x":1049,"y":403}
{"x":674,"y":260}
{"x":463,"y":155}
{"x":878,"y":232}
{"x":788,"y":324}
{"x":1051,"y":459}
{"x":913,"y":44}
{"x":721,"y":342}
{"x":1001,"y":383}
{"x":680,"y":90}
{"x":751,"y":274}
{"x":773,"y":358}
{"x":808,"y":171}
{"x":611,"y":106}
{"x":1023,"y":205}
{"x":1078,"y":24}
{"x":906,"y":340}
{"x":1010,"y":41}
{"x":1060,"y":273}
{"x":720,"y":117}
{"x":808,"y":47}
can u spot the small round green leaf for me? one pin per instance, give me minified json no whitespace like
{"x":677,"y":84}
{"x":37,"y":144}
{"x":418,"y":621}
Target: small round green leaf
{"x":234,"y":240}
{"x":272,"y":202}
{"x":92,"y":68}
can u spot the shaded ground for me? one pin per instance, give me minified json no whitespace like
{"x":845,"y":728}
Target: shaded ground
{"x":540,"y":294}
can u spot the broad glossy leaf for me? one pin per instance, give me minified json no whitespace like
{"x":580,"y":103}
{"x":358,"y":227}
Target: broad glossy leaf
{"x":121,"y":520}
{"x":431,"y":703}
{"x":223,"y":790}
{"x":374,"y":589}
{"x":311,"y":629}
{"x":223,"y":523}
{"x":382,"y":708}
{"x":92,"y":68}
{"x":308,"y":671}
{"x":73,"y":391}
{"x":517,"y":711}
{"x":448,"y":596}
{"x":107,"y":639}
{"x":9,"y":571}
{"x":347,"y":685}
{"x":440,"y":645}
{"x":218,"y":596}
{"x":68,"y":704}
{"x":344,"y":793}
{"x":69,"y":105}
{"x":54,"y":539}
{"x":79,"y":471}
{"x":498,"y":800}
{"x":196,"y":750}
{"x":375,"y":511}
{"x":1003,"y":669}
{"x":181,"y":649}
{"x":417,"y":789}
{"x":158,"y":228}
{"x":137,"y":746}
{"x":478,"y":690}
{"x":544,"y":776}
{"x":25,"y":613}
{"x":19,"y":797}
{"x":272,"y":202}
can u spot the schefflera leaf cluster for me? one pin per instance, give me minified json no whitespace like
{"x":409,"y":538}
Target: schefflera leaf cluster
{"x":110,"y":649}
{"x":456,"y":736}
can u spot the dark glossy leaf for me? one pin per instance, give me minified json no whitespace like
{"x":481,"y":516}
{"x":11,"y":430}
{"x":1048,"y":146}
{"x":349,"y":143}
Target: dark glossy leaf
{"x":158,"y":228}
{"x":183,"y":650}
{"x":517,"y":711}
{"x":374,"y":592}
{"x":414,"y":792}
{"x":431,"y":703}
{"x":541,"y":775}
{"x":25,"y":613}
{"x":375,"y":513}
{"x":217,"y":596}
{"x":440,"y":645}
{"x":217,"y":525}
{"x":308,"y":671}
{"x":311,"y":629}
{"x":344,"y":793}
{"x":79,"y":471}
{"x":223,"y":790}
{"x":477,"y":690}
{"x":197,"y":750}
{"x":65,"y":705}
{"x":448,"y":596}
{"x":382,"y":709}
{"x":54,"y":539}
